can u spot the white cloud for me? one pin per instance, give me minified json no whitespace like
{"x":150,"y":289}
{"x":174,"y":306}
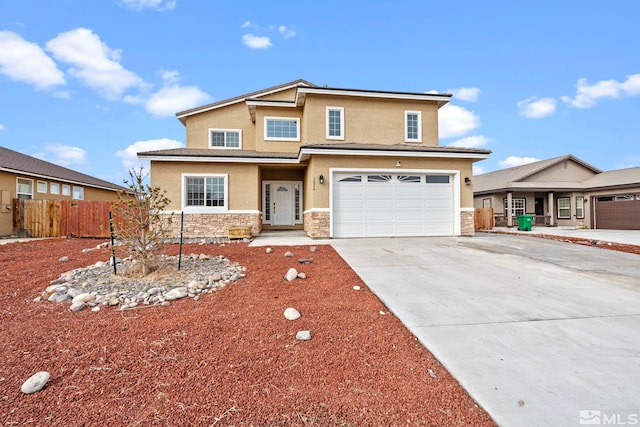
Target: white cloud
{"x":2,"y":127}
{"x":476,"y":141}
{"x":587,"y":95}
{"x":286,"y":32}
{"x":478,"y":170}
{"x":26,"y":62}
{"x":173,"y":98}
{"x":535,"y":108}
{"x":469,"y":94}
{"x":150,"y":4}
{"x":246,"y":24}
{"x":129,"y":156}
{"x":64,"y":155}
{"x":256,"y":42}
{"x":94,"y":63}
{"x":455,"y":121}
{"x":512,"y":161}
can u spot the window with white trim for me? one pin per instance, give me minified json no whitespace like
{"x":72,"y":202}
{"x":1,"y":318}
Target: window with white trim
{"x":78,"y":193}
{"x":24,"y":188}
{"x":579,"y":207}
{"x":42,"y":186}
{"x":225,"y":138}
{"x":518,"y":206}
{"x":206,"y":191}
{"x":281,"y":129}
{"x":335,"y":123}
{"x":66,"y":190}
{"x":564,"y":207}
{"x":486,"y":203}
{"x":413,"y":126}
{"x":54,"y":187}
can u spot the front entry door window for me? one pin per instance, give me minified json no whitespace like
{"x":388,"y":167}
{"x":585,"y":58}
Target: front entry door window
{"x":282,"y":205}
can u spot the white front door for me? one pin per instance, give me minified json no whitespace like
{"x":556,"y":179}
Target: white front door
{"x":282,"y":205}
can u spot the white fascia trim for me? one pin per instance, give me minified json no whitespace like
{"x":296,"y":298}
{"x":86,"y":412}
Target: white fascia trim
{"x":219,"y":159}
{"x":312,"y":210}
{"x":214,"y":107}
{"x":60,"y":180}
{"x":260,"y":103}
{"x":378,"y":153}
{"x":371,"y":94}
{"x":467,"y":209}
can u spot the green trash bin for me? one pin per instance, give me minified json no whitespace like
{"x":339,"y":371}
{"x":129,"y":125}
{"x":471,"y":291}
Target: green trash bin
{"x":525,"y":222}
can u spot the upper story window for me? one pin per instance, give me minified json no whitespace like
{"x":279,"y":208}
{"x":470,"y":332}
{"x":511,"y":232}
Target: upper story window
{"x":78,"y":193}
{"x":413,"y":126}
{"x":24,"y":188}
{"x":335,"y":123}
{"x":225,"y":138}
{"x":281,"y":129}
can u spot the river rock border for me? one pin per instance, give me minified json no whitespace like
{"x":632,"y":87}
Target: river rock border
{"x":96,"y":286}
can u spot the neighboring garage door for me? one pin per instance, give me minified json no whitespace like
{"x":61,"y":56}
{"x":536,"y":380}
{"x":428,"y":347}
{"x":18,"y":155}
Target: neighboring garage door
{"x":617,"y":212}
{"x":387,"y":205}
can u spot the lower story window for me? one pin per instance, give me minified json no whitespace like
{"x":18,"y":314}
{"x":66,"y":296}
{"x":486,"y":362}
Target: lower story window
{"x":579,"y":207}
{"x":206,"y":191}
{"x":25,"y":188}
{"x":78,"y":193}
{"x":564,"y":207}
{"x":518,"y":206}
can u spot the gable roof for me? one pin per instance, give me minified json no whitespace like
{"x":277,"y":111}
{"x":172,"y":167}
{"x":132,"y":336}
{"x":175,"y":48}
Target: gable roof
{"x":504,"y":179}
{"x":182,"y":115}
{"x":305,"y":88}
{"x":21,"y":164}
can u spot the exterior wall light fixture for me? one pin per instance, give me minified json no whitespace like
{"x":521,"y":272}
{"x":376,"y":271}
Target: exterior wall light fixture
{"x":467,"y":180}
{"x":321,"y":179}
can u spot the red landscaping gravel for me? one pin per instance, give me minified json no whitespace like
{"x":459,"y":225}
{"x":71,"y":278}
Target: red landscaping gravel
{"x":230,"y":358}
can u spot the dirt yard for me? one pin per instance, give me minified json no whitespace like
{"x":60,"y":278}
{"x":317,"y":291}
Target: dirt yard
{"x":230,"y":358}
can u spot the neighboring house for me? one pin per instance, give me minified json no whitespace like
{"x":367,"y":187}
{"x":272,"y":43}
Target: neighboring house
{"x":334,"y":162}
{"x":25,"y":177}
{"x":562,"y":191}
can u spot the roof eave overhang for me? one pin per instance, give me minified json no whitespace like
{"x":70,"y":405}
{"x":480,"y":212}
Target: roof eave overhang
{"x":56,"y":178}
{"x":215,"y":159}
{"x":440,"y":99}
{"x":306,"y":152}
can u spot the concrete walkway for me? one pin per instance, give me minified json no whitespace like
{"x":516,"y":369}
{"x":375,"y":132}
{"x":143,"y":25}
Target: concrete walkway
{"x":629,"y":237}
{"x":539,"y":332}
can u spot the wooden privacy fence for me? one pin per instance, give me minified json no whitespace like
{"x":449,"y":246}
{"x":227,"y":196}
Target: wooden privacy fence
{"x":484,"y":219}
{"x":57,"y":218}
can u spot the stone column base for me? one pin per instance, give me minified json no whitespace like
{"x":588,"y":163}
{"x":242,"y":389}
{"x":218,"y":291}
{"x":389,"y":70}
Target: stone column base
{"x":316,"y":224}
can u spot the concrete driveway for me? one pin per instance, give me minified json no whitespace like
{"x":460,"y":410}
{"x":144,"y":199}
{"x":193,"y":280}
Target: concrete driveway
{"x":539,"y":332}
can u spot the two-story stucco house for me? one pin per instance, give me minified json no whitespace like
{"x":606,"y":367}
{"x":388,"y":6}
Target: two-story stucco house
{"x":334,"y":162}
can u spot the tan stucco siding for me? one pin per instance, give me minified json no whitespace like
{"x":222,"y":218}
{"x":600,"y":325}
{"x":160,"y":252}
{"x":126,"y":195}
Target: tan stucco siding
{"x":277,"y":146}
{"x":367,"y":120}
{"x":243,"y":182}
{"x":317,"y":196}
{"x":234,"y":116}
{"x":284,"y":95}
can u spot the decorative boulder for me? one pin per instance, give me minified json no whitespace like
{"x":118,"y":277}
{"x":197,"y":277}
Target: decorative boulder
{"x":291,"y":314}
{"x":35,"y":383}
{"x":291,"y":274}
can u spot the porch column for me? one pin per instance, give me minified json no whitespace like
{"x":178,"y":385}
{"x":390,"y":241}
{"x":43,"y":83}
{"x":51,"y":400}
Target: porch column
{"x":550,"y":211}
{"x":509,"y":209}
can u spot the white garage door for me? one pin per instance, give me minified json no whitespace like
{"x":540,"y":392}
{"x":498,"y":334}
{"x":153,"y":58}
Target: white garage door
{"x":386,"y":205}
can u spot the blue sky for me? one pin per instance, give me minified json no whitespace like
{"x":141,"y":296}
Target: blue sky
{"x":86,"y":84}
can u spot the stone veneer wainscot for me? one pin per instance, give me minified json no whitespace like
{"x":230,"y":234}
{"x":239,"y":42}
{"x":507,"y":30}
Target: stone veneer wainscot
{"x":214,"y":225}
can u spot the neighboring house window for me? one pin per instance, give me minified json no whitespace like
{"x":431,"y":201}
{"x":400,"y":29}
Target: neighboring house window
{"x":225,"y":138}
{"x":486,"y":203}
{"x":42,"y":186}
{"x":281,"y":129}
{"x":564,"y":207}
{"x":518,"y":206}
{"x":579,"y":207}
{"x":66,"y":190}
{"x":25,"y":188}
{"x":206,"y":191}
{"x":78,"y":193}
{"x":335,"y":123}
{"x":413,"y":126}
{"x":55,"y":188}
